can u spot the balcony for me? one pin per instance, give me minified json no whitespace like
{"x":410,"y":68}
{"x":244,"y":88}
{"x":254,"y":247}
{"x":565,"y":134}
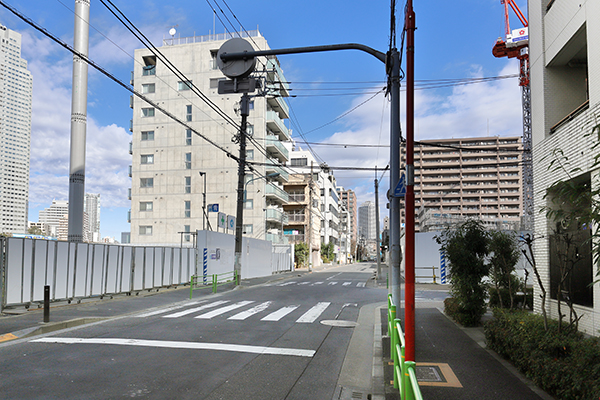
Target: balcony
{"x":129,"y":215}
{"x":131,"y":101}
{"x":271,"y":168}
{"x":296,"y":219}
{"x":276,"y":125}
{"x":279,"y":105}
{"x":299,"y":238}
{"x":275,"y":78}
{"x":129,"y":194}
{"x":130,"y":125}
{"x":276,"y":238}
{"x":130,"y":147}
{"x":130,"y":171}
{"x":277,"y":216}
{"x":297,"y":198}
{"x":276,"y":148}
{"x":277,"y":194}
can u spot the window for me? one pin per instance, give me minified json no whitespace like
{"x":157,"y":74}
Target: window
{"x":250,"y":154}
{"x":149,"y":70}
{"x":184,"y":85}
{"x":251,"y":105}
{"x":148,"y":112}
{"x":213,"y":59}
{"x":145,"y":230}
{"x":148,"y":88}
{"x":188,"y":209}
{"x":248,"y":179}
{"x":214,"y":83}
{"x":146,"y":182}
{"x":188,"y":112}
{"x":298,"y":162}
{"x":250,"y":130}
{"x":188,"y":184}
{"x":186,"y":228}
{"x":148,"y":135}
{"x":147,"y":159}
{"x":146,"y":206}
{"x":248,"y":228}
{"x":249,"y":204}
{"x":188,"y":160}
{"x":188,"y":137}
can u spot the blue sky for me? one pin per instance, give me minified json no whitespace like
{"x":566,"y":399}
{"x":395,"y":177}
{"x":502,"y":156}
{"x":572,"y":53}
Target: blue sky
{"x":453,"y":40}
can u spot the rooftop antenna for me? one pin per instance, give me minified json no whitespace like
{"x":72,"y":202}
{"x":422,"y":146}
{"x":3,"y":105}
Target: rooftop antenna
{"x":173,"y":31}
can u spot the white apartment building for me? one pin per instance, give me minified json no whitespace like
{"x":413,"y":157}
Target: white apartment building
{"x":91,"y":206}
{"x":171,"y":165}
{"x":16,"y":85}
{"x":564,"y":52}
{"x":52,"y":215}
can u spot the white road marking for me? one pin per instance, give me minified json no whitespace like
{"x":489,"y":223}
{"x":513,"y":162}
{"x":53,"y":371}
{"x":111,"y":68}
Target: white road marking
{"x":254,"y":310}
{"x":277,"y":315}
{"x":311,"y":315}
{"x":361,"y":284}
{"x":164,"y":310}
{"x":333,"y":276}
{"x":287,"y":283}
{"x":223,"y":310}
{"x":332,"y":283}
{"x":318,"y":283}
{"x":346,"y":283}
{"x":303,"y":283}
{"x":181,"y":345}
{"x":196,"y":309}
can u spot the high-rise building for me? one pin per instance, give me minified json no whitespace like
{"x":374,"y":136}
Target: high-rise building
{"x":348,"y":201}
{"x":366,"y":221}
{"x":16,"y":85}
{"x":468,"y":177}
{"x":171,"y":164}
{"x":52,"y":215}
{"x":91,"y":206}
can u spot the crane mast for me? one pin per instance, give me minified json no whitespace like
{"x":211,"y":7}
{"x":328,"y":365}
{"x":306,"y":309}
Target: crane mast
{"x":516,"y":45}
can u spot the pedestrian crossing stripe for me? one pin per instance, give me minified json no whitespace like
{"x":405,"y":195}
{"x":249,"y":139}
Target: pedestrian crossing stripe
{"x":221,"y":307}
{"x":332,"y":283}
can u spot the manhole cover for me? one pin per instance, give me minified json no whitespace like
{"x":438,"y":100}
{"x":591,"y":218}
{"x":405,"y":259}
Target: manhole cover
{"x":429,"y":374}
{"x":339,"y":323}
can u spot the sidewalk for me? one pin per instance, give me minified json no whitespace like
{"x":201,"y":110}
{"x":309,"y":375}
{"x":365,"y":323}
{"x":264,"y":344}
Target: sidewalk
{"x":452,"y":361}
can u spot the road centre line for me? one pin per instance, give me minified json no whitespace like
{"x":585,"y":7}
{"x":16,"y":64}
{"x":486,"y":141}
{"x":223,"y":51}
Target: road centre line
{"x":181,"y":345}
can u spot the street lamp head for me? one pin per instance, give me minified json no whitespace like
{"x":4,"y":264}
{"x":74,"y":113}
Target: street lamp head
{"x":202,"y":173}
{"x":273,"y":175}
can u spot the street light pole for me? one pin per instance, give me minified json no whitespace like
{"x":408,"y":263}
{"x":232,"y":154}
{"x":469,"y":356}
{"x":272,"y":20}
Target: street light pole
{"x":239,"y":217}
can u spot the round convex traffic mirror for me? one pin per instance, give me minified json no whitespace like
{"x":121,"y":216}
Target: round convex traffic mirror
{"x":236,"y":68}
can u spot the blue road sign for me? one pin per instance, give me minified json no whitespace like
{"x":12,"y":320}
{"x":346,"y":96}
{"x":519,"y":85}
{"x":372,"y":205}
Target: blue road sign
{"x":400,"y":189}
{"x":213,"y":208}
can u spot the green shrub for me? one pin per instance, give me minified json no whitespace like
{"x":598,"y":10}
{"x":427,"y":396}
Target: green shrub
{"x":463,"y":315}
{"x":527,"y":297}
{"x":566,"y":365}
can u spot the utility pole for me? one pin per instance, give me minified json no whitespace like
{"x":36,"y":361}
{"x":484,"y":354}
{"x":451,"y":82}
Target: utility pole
{"x":239,"y":217}
{"x":78,"y":121}
{"x":377,"y":224}
{"x":409,"y":265}
{"x":310,"y":227}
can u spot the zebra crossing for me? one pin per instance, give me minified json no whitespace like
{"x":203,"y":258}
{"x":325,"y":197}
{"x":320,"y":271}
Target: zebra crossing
{"x":324,"y":283}
{"x":224,"y":308}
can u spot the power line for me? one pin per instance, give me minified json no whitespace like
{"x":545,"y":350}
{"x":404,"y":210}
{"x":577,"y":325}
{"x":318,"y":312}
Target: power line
{"x":46,"y":33}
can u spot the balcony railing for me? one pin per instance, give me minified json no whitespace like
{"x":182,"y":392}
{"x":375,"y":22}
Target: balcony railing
{"x":284,"y":176}
{"x":277,"y":239}
{"x":275,"y":124}
{"x":278,"y":193}
{"x":296,"y":238}
{"x":297,"y":198}
{"x":275,"y":146}
{"x":274,"y":214}
{"x":296,"y":218}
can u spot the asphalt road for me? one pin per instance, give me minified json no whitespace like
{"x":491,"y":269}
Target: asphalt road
{"x":273,"y":341}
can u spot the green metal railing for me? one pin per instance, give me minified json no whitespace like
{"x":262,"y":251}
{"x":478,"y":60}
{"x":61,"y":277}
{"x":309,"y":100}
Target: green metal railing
{"x":201,"y":281}
{"x":405,"y":378}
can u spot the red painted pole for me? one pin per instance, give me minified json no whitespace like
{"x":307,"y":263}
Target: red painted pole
{"x":409,"y":263}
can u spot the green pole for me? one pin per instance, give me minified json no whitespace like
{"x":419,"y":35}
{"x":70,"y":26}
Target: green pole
{"x":409,"y":394}
{"x":191,"y":286}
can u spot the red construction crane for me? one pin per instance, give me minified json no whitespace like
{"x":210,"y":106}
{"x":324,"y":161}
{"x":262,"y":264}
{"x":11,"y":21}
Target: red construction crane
{"x":517,"y":45}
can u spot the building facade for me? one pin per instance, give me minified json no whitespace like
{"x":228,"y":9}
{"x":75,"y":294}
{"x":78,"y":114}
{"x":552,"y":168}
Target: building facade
{"x":348,"y":201}
{"x":16,"y":88}
{"x":91,"y":206}
{"x":52,"y":215}
{"x":565,"y":99}
{"x":469,"y":177}
{"x":172,"y":165}
{"x":366,"y":221}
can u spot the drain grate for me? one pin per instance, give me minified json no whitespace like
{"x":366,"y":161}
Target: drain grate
{"x":347,"y":393}
{"x":429,"y":373}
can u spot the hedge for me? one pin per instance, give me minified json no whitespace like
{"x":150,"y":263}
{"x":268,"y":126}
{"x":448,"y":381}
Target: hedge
{"x":566,"y":365}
